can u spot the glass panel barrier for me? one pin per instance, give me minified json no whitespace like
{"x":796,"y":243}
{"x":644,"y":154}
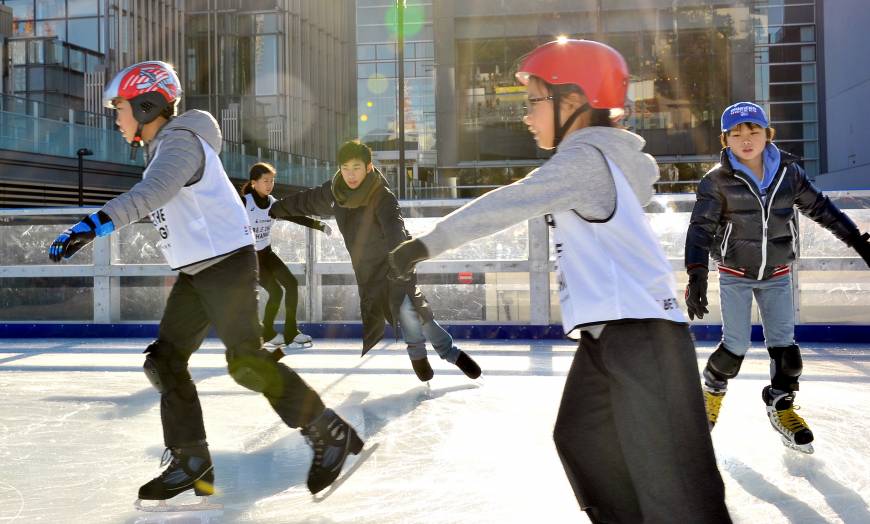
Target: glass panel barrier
{"x":123,"y":277}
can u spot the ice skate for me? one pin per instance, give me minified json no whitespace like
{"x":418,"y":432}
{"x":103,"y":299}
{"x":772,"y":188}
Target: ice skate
{"x":189,"y":468}
{"x":712,"y":403}
{"x":468,"y":365}
{"x":423,"y":369}
{"x":276,"y":341}
{"x":793,"y":430}
{"x":300,"y":341}
{"x":332,"y":440}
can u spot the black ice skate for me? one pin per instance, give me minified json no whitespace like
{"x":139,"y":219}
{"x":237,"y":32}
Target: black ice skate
{"x":189,"y":468}
{"x":792,"y":428}
{"x":467,"y":365}
{"x":423,"y":369}
{"x":332,"y":440}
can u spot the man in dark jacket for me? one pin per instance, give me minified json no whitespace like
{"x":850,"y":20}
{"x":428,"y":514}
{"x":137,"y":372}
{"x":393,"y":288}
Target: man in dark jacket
{"x":744,"y":217}
{"x":368,"y":216}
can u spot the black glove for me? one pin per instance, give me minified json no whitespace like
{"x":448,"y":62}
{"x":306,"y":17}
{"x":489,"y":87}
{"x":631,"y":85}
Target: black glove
{"x":405,"y":257}
{"x":862,"y":246}
{"x":81,"y":234}
{"x":696,"y":293}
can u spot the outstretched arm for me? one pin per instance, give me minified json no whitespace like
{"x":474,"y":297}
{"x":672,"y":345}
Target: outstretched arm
{"x":313,"y":201}
{"x":581,"y":182}
{"x":309,"y":222}
{"x":818,"y":207}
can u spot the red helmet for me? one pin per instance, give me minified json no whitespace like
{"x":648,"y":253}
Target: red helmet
{"x":150,"y":87}
{"x":598,"y":69}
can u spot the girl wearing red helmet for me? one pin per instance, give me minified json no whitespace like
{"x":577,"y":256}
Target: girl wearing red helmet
{"x":206,"y":237}
{"x":631,"y":430}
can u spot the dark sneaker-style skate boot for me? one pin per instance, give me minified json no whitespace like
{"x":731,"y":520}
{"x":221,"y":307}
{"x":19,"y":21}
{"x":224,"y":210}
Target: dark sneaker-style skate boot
{"x":423,"y":369}
{"x":467,"y":365}
{"x":792,"y":428}
{"x":332,"y":440}
{"x":189,"y":468}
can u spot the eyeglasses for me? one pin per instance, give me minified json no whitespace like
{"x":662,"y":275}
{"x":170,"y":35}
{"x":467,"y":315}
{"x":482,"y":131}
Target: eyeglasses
{"x":530,"y":102}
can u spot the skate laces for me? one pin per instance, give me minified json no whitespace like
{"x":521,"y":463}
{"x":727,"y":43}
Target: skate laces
{"x":791,"y":420}
{"x":315,"y":440}
{"x":319,"y":441}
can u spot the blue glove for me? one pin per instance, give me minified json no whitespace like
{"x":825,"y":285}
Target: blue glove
{"x":70,"y":241}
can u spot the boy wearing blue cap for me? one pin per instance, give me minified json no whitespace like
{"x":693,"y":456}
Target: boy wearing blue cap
{"x":744,"y":218}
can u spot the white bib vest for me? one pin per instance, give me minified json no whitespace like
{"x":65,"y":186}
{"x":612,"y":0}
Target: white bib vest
{"x":612,"y":270}
{"x":203,"y":220}
{"x":261,"y":222}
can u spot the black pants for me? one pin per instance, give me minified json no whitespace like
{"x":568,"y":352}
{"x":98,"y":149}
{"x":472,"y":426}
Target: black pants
{"x":631,"y":430}
{"x":273,"y":275}
{"x":225,"y":296}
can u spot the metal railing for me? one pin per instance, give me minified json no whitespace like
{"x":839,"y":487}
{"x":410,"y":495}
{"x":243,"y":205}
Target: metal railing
{"x":507,"y":278}
{"x":37,"y":127}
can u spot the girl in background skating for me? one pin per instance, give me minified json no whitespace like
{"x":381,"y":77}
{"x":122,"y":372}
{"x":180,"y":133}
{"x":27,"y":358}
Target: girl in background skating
{"x":275,"y":277}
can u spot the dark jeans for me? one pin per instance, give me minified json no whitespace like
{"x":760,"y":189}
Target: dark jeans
{"x":631,"y":430}
{"x":273,"y":275}
{"x":224,"y":296}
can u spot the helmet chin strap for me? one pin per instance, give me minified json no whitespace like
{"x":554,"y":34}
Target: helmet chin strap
{"x":136,"y":142}
{"x":561,"y":130}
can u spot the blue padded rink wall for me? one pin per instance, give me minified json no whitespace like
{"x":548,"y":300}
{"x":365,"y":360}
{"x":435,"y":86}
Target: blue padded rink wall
{"x":80,"y":426}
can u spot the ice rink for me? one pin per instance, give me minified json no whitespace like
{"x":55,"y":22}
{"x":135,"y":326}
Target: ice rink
{"x":80,"y":431}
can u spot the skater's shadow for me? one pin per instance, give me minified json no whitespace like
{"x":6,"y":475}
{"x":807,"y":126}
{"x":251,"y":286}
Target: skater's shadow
{"x":378,"y":412}
{"x":244,"y":478}
{"x":134,"y":404}
{"x":792,"y":508}
{"x":848,"y":504}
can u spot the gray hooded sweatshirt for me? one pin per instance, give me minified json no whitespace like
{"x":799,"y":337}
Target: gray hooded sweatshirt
{"x":576,"y":177}
{"x":181,"y":162}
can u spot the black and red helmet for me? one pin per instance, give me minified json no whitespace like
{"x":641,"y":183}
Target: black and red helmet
{"x":150,"y":87}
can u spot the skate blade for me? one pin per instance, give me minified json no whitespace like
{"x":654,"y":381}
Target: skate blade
{"x":299,"y":345}
{"x":803,"y":448}
{"x":361,"y":458}
{"x":162,"y":506}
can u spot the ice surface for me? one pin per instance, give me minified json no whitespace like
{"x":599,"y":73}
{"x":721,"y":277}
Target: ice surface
{"x":80,"y":431}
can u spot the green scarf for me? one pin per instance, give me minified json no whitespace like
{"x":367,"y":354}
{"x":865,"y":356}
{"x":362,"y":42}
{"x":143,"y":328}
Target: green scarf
{"x":351,"y":198}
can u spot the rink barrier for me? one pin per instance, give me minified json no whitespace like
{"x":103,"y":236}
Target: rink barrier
{"x":502,"y":286}
{"x":832,"y":333}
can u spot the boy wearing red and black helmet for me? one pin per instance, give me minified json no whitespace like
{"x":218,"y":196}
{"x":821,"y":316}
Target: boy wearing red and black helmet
{"x":631,"y":430}
{"x":204,"y":235}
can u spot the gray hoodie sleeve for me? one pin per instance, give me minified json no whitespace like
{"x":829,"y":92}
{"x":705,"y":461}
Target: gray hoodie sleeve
{"x":577,"y":179}
{"x":179,"y":160}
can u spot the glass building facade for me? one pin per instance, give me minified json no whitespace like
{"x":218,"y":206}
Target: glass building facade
{"x":56,"y":44}
{"x":378,"y":88}
{"x":688,"y":61}
{"x":277,"y":74}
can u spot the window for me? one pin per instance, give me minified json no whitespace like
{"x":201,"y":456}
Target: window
{"x":386,"y":51}
{"x":365,"y":52}
{"x":84,"y":32}
{"x":21,"y":9}
{"x":51,"y":28}
{"x":51,"y":8}
{"x":83,"y":7}
{"x":266,"y":65}
{"x":18,"y":50}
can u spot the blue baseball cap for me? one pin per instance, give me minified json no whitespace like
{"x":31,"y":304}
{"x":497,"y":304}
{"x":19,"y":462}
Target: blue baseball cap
{"x":743,"y":112}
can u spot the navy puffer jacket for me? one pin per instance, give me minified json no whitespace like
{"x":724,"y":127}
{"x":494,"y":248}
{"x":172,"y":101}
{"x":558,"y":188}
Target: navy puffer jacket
{"x":731,"y":222}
